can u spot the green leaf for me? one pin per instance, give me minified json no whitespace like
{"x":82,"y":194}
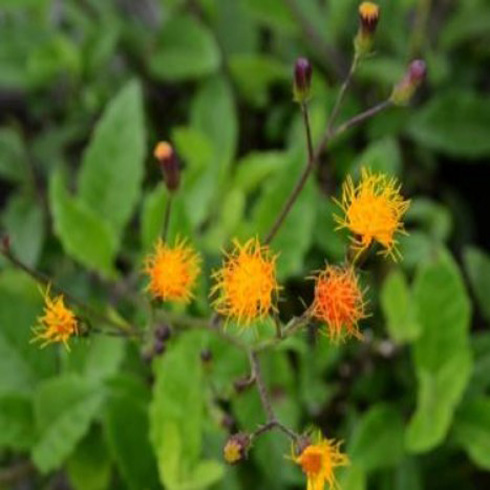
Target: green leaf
{"x":353,"y":478}
{"x":127,"y":431}
{"x":214,"y":114}
{"x":64,"y":408}
{"x":16,"y":422}
{"x":13,"y":164}
{"x":112,"y":169}
{"x":181,"y":57}
{"x":464,"y":28}
{"x":472,"y":430}
{"x":22,"y":365}
{"x":396,"y":302}
{"x":466,"y":135}
{"x":255,"y":168}
{"x":442,"y":355}
{"x":431,"y":216}
{"x":24,"y":224}
{"x":477,"y":264}
{"x":89,"y":467}
{"x":152,"y":216}
{"x":83,"y":235}
{"x":378,"y":439}
{"x":273,"y":14}
{"x":177,"y":410}
{"x":380,"y":156}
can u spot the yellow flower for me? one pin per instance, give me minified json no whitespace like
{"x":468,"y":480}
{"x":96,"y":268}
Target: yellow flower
{"x":246,"y":283}
{"x":318,"y":462}
{"x":338,"y":301}
{"x":172,"y":271}
{"x":58,"y":324}
{"x":369,"y":15}
{"x":373,"y":211}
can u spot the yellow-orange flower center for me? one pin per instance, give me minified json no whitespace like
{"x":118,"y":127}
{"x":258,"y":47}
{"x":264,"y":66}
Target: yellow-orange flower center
{"x":163,"y":150}
{"x":369,"y":11}
{"x":172,"y":271}
{"x":58,"y":324}
{"x":246,"y":283}
{"x":339,"y":301}
{"x":318,"y":462}
{"x":373,"y":211}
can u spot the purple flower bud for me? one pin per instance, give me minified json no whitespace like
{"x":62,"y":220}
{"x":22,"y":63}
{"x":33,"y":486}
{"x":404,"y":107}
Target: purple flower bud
{"x":159,"y":347}
{"x":405,"y":89}
{"x":417,"y":71}
{"x":303,"y":72}
{"x":163,"y":332}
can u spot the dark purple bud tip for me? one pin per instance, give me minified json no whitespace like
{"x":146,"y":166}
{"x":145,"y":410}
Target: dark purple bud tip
{"x":206,"y":356}
{"x":303,"y":72}
{"x":417,"y":71}
{"x":159,"y":347}
{"x":163,"y":332}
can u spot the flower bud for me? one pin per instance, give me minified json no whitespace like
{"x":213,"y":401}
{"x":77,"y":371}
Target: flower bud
{"x":236,"y":448}
{"x":206,"y":356}
{"x":406,"y":88}
{"x":303,"y":72}
{"x":163,"y":332}
{"x":5,"y":243}
{"x":169,"y":164}
{"x":159,"y":347}
{"x":369,"y":17}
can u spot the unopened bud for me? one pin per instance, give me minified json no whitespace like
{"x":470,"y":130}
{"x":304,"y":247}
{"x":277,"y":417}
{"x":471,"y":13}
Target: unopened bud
{"x":163,"y":332}
{"x":405,"y":89}
{"x":169,"y":164}
{"x":236,"y":448}
{"x":303,"y":72}
{"x":369,"y":18}
{"x":159,"y":347}
{"x":206,"y":356}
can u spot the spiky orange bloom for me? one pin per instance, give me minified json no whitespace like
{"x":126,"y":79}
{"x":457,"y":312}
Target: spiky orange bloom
{"x":246,"y":283}
{"x":318,"y":461}
{"x":172,"y":271}
{"x":373,"y":211}
{"x":58,"y":324}
{"x":338,"y":301}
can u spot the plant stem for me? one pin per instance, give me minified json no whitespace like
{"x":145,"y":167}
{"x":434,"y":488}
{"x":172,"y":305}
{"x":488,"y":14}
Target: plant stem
{"x":312,"y":156}
{"x":362,"y":117}
{"x":263,"y":393}
{"x":166,"y":221}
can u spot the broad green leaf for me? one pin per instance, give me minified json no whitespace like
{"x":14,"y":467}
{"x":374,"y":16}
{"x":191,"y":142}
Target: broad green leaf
{"x":13,"y":158}
{"x":466,"y":135}
{"x":477,"y":264}
{"x":16,"y":422}
{"x":464,"y":28}
{"x":24,"y":223}
{"x":214,"y":114}
{"x":84,"y":236}
{"x":434,"y":218}
{"x":22,"y":365}
{"x":396,"y":301}
{"x":472,"y":430}
{"x":127,"y":432}
{"x":353,"y":478}
{"x":178,"y":408}
{"x":441,"y":353}
{"x":64,"y":408}
{"x":378,"y":439}
{"x":89,"y":467}
{"x":112,"y":169}
{"x":255,"y":73}
{"x":153,"y":215}
{"x":480,"y":381}
{"x":255,"y":168}
{"x":273,"y":14}
{"x":380,"y":156}
{"x":181,"y":57}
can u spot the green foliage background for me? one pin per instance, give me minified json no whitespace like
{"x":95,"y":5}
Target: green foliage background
{"x":88,"y":87}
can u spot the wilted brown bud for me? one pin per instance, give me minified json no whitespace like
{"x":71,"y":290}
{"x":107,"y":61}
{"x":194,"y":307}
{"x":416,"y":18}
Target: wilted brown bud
{"x":236,"y":448}
{"x":169,"y":164}
{"x":405,"y":89}
{"x":303,"y":72}
{"x":369,"y":18}
{"x":163,"y":332}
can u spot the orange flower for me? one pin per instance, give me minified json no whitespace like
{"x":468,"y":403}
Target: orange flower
{"x":318,"y":462}
{"x":369,"y":15}
{"x":373,"y":211}
{"x":58,"y":323}
{"x":173,"y":271}
{"x":246,"y":283}
{"x":338,"y":301}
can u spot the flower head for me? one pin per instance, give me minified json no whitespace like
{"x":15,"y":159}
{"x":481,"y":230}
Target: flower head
{"x":369,"y":15}
{"x":172,"y":271}
{"x":373,"y":211}
{"x":339,"y":301}
{"x":302,"y":79}
{"x":169,"y":164}
{"x":246,"y":283}
{"x":236,"y":448}
{"x":58,"y":324}
{"x":318,"y":462}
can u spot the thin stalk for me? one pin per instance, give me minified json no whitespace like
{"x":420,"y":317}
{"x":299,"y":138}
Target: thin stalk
{"x":263,"y":393}
{"x":166,"y":220}
{"x":363,"y":116}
